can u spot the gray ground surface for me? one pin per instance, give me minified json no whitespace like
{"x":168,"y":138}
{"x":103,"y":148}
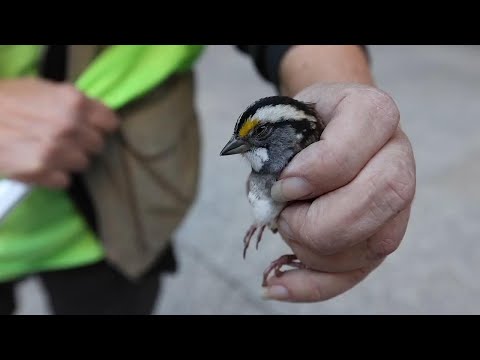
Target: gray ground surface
{"x":435,"y":269}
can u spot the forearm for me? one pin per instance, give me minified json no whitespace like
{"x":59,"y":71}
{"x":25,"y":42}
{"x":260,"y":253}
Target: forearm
{"x":304,"y":65}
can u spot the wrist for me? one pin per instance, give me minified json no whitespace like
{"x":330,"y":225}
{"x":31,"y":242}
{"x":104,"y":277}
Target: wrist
{"x":304,"y":65}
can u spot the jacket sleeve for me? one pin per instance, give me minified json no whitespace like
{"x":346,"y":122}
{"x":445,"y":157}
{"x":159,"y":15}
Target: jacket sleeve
{"x":267,"y":58}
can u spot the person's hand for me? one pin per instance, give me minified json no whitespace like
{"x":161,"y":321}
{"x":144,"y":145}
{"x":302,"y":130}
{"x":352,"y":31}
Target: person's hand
{"x":49,"y":130}
{"x":355,"y":187}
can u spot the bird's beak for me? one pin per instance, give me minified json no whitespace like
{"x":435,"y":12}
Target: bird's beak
{"x":235,"y":146}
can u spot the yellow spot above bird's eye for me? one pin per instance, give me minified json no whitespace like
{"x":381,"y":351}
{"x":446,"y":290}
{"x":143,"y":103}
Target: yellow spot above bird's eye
{"x":247,"y":127}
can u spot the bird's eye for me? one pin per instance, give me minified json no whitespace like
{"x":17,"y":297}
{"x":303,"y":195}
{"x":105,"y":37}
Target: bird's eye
{"x":262,"y":131}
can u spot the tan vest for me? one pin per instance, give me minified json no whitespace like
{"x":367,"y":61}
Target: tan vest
{"x":146,"y":179}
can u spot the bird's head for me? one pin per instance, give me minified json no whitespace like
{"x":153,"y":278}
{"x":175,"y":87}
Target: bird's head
{"x":272,"y":130}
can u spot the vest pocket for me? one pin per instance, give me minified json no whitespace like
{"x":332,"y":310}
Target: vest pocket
{"x":145,"y":182}
{"x":159,"y":135}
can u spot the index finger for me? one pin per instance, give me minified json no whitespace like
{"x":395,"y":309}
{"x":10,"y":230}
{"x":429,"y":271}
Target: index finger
{"x":360,"y":120}
{"x":313,"y":286}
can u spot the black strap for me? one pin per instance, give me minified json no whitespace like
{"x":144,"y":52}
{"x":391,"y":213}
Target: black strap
{"x":54,"y":67}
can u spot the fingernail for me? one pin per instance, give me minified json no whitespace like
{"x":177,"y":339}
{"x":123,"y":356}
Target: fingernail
{"x":290,"y":189}
{"x":284,"y":228}
{"x":276,"y":292}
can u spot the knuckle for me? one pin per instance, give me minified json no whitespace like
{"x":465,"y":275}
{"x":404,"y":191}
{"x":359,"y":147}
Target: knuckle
{"x":73,"y":98}
{"x":67,"y":123}
{"x":392,"y":191}
{"x":113,"y":123}
{"x":382,"y":105}
{"x":382,"y":248}
{"x":67,"y":127}
{"x":34,"y":169}
{"x":317,"y":293}
{"x":55,"y":183}
{"x":59,"y":180}
{"x":81,"y":162}
{"x":400,"y":186}
{"x":47,"y":152}
{"x":359,"y":275}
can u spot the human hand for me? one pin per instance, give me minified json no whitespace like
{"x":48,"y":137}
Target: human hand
{"x":49,"y":130}
{"x":352,"y":190}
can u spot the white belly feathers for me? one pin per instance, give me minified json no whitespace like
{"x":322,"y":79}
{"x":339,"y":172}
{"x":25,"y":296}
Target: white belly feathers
{"x":265,"y":210}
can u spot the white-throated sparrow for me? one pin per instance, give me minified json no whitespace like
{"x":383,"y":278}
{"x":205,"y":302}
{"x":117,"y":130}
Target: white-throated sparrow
{"x":269,"y":133}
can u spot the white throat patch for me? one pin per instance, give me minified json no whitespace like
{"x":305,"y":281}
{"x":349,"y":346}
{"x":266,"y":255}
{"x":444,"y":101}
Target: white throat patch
{"x":257,"y":158}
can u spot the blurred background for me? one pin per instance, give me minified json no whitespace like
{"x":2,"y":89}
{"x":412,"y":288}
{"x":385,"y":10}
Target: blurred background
{"x":437,"y":89}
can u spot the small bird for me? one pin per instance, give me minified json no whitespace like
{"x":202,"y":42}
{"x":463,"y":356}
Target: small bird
{"x":269,"y":133}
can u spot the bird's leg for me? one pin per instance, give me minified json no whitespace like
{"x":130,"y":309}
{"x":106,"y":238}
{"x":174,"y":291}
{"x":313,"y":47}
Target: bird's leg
{"x":259,"y":235}
{"x":247,"y":238}
{"x":290,"y":260}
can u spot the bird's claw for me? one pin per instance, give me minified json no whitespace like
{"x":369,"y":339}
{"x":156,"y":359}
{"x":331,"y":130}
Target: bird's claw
{"x":259,"y":236}
{"x":290,"y":260}
{"x":248,"y":236}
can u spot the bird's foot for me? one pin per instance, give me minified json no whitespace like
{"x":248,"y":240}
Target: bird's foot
{"x":290,"y":260}
{"x":248,"y":236}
